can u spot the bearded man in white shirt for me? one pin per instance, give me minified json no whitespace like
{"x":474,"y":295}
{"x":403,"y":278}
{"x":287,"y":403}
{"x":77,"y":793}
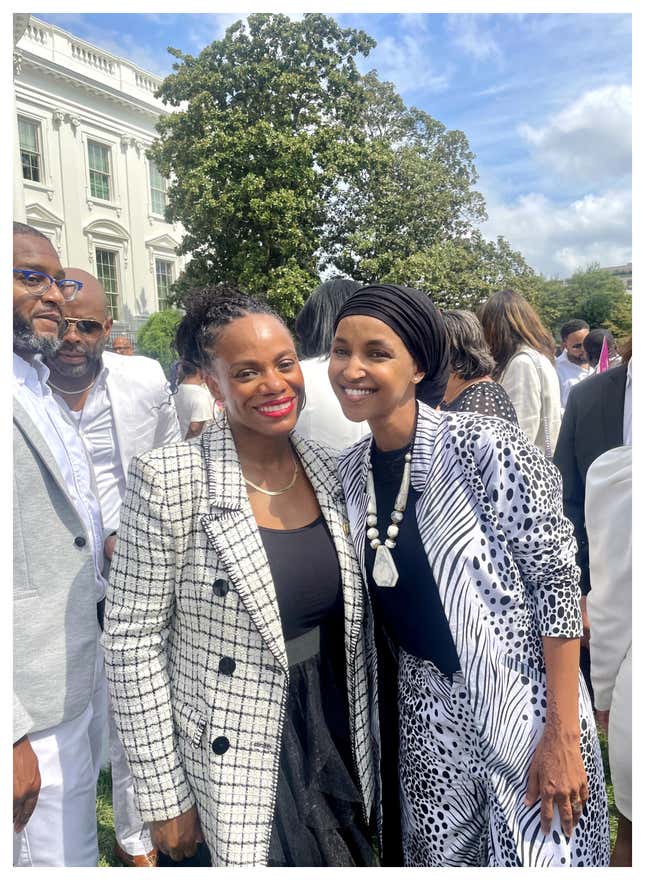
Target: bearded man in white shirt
{"x":59,"y":699}
{"x":572,"y":366}
{"x":121,"y":407}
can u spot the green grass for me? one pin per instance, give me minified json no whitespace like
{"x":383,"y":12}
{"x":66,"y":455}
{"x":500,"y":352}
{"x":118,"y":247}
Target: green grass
{"x":105,"y":818}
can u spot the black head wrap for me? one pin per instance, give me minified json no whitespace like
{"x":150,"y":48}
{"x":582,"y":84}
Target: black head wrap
{"x":417,"y":321}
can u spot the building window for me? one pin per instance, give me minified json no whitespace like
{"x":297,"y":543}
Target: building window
{"x":158,"y":198}
{"x":30,"y":149}
{"x":99,"y":165}
{"x":163,"y":274}
{"x":108,"y":275}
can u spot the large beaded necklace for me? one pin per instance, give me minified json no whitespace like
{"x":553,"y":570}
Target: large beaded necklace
{"x":385,"y":573}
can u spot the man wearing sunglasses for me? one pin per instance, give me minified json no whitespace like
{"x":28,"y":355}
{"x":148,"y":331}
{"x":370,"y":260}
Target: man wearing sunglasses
{"x":572,"y":365}
{"x":121,"y":407}
{"x":59,"y":685}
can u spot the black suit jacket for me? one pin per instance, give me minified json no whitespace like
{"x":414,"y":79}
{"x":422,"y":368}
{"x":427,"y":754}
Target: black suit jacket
{"x":592,"y":424}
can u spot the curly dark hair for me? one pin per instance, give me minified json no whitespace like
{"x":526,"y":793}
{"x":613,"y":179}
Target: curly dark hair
{"x":208,"y":309}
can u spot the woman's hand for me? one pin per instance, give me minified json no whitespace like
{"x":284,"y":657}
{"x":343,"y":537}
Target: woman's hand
{"x":178,"y":837}
{"x":557,"y":775}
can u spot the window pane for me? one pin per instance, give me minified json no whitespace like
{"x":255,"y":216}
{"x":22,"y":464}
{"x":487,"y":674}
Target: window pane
{"x":107,"y":273}
{"x":29,"y":133}
{"x":99,"y":164}
{"x":163,"y":274}
{"x":156,"y":180}
{"x":158,"y":199}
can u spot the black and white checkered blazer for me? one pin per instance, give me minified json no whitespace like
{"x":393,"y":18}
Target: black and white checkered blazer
{"x":195,"y":655}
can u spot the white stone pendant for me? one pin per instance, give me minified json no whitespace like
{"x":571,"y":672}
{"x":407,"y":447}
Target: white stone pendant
{"x":384,"y":571}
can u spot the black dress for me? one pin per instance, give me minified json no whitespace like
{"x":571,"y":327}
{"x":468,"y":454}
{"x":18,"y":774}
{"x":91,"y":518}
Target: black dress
{"x":318,"y":819}
{"x":487,"y":398}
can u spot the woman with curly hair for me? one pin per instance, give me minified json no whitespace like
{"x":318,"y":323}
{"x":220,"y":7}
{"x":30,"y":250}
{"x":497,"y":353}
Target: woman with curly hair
{"x":233,"y":625}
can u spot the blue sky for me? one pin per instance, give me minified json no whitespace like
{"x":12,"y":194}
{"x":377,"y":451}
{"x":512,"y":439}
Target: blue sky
{"x":544,"y":99}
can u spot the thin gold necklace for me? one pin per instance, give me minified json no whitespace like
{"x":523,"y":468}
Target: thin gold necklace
{"x":275,"y":491}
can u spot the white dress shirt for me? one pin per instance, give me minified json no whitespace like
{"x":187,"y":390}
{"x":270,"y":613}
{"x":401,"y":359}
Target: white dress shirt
{"x":627,"y":412}
{"x":31,"y":389}
{"x":95,"y":426}
{"x":569,"y":374}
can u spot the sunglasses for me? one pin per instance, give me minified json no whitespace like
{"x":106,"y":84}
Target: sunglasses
{"x":85,"y":326}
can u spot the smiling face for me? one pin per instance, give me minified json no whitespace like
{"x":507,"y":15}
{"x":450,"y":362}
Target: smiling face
{"x":80,"y":353}
{"x":36,"y":320}
{"x":371,"y":371}
{"x":255,"y":372}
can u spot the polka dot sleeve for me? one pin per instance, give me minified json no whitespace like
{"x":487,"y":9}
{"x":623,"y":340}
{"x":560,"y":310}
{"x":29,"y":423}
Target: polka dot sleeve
{"x":525,"y":490}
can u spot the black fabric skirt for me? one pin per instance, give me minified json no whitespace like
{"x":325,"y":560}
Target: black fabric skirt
{"x":318,"y":820}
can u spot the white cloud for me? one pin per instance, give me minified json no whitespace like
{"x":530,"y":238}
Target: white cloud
{"x":590,"y":140}
{"x":405,"y":61}
{"x":473,"y":37}
{"x":558,"y":239}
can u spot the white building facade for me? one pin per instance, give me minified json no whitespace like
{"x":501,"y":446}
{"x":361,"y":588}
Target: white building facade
{"x":84,"y":121}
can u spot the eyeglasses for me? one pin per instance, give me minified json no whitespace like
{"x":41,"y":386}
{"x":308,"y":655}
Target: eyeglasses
{"x":86,"y":326}
{"x":38,"y":283}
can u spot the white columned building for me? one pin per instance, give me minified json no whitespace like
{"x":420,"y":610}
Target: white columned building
{"x":85,"y":119}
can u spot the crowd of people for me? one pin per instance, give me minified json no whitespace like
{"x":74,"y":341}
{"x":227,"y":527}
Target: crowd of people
{"x":324,"y":596}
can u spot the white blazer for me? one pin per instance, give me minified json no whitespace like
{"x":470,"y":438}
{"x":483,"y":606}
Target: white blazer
{"x":531,"y":382}
{"x":142,"y":405}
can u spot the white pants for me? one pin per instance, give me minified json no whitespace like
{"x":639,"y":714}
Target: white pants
{"x":131,"y":832}
{"x":62,"y":829}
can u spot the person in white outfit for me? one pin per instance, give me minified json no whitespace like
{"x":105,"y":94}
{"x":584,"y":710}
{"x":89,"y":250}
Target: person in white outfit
{"x":523,"y":351}
{"x":608,"y":516}
{"x":120,"y":407}
{"x":322,"y":418}
{"x":194,"y":403}
{"x":572,"y":366}
{"x":59,"y":690}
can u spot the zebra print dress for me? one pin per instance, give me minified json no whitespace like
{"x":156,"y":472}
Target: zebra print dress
{"x":503,"y":557}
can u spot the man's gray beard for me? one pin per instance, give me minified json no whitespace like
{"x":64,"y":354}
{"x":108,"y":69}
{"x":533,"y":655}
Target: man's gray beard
{"x":26,"y":342}
{"x":73,"y":371}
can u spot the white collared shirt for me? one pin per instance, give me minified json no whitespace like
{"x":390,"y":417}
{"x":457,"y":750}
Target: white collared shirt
{"x":95,"y":426}
{"x":627,"y":412}
{"x":31,"y":389}
{"x":569,"y":374}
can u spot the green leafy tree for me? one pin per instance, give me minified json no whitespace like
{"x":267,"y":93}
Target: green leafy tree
{"x":413,"y":191}
{"x":266,"y":121}
{"x":285,"y":162}
{"x":156,"y":337}
{"x":462,"y":273}
{"x":592,"y":294}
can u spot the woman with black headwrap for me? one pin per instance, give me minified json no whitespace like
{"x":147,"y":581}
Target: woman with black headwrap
{"x":470,"y":563}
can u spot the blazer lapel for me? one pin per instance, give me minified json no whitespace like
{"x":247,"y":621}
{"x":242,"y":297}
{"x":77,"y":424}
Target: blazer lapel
{"x":613,"y":405}
{"x":320,"y":467}
{"x":233,"y":533}
{"x":123,"y":415}
{"x":36,"y":439}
